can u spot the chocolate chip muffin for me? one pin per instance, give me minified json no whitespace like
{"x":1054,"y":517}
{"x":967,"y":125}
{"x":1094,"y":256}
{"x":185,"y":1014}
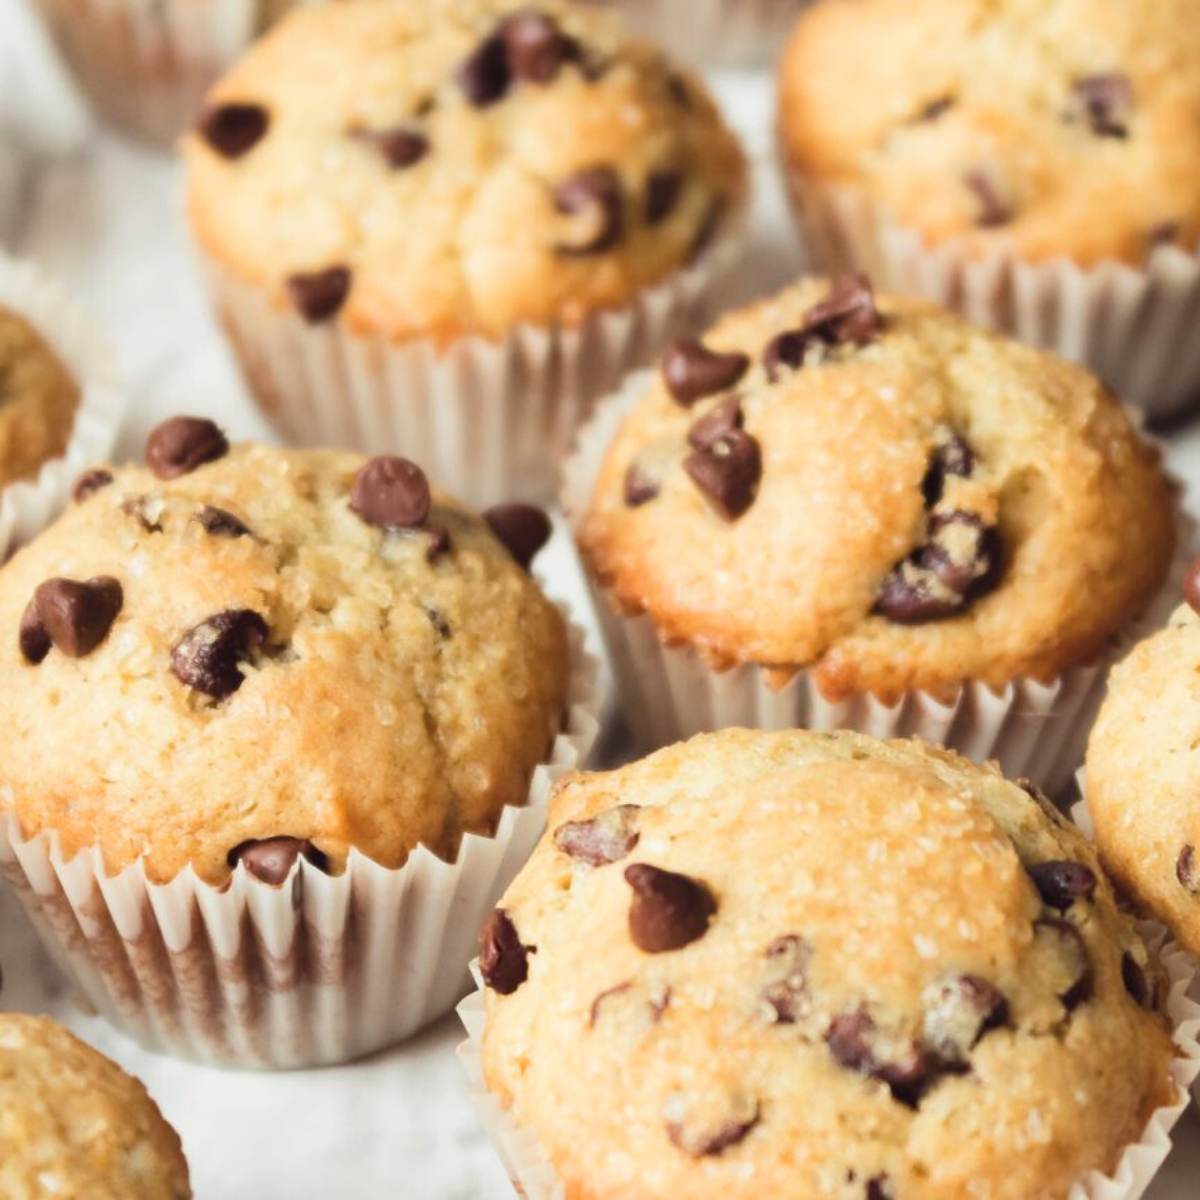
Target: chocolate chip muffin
{"x":73,"y":1124}
{"x":733,"y":969}
{"x":244,"y":655}
{"x":38,"y":400}
{"x":1143,"y":772}
{"x":875,"y":492}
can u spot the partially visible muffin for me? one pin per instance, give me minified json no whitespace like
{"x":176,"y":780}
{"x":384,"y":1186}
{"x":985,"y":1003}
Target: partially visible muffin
{"x":874,"y":490}
{"x":798,"y":965}
{"x":73,"y":1124}
{"x":38,"y":400}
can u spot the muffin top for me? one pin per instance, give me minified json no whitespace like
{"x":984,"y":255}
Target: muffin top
{"x":465,"y":166}
{"x":38,"y":399}
{"x":72,"y":1123}
{"x":1143,"y":773}
{"x":800,"y":965}
{"x":302,"y":649}
{"x":1066,"y":129}
{"x":879,"y":492}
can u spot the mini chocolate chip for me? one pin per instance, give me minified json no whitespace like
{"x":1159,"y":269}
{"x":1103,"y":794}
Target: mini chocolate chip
{"x":959,"y":1010}
{"x":691,"y":371}
{"x":994,"y":209}
{"x":182,"y":444}
{"x":1134,"y":978}
{"x":851,"y":1038}
{"x":439,"y":542}
{"x":786,"y":991}
{"x":400,"y":147}
{"x":593,"y":199}
{"x":503,"y":960}
{"x":662,"y":194}
{"x":1186,"y":870}
{"x":1191,"y":586}
{"x":221,"y":523}
{"x":951,"y":456}
{"x":89,"y":483}
{"x":606,"y":838}
{"x":1061,"y":882}
{"x":1073,"y":953}
{"x":723,"y":419}
{"x":76,"y":617}
{"x":639,"y":487}
{"x":233,"y":129}
{"x":727,"y":472}
{"x":318,"y":295}
{"x":1108,"y":103}
{"x":207,"y":657}
{"x":701,"y":1139}
{"x":669,"y":911}
{"x":535,"y":47}
{"x":847,"y":314}
{"x":270,"y":859}
{"x":390,"y":493}
{"x":484,"y":76}
{"x":32,"y":638}
{"x":523,"y":529}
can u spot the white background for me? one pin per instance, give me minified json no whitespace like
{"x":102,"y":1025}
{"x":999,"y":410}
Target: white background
{"x":104,"y":217}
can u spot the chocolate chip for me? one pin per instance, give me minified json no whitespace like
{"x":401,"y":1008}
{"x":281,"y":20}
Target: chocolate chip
{"x":484,"y":76}
{"x":951,"y":457}
{"x":847,"y":314}
{"x":390,"y":493}
{"x":852,"y":1038}
{"x":1107,"y":102}
{"x":233,"y":129}
{"x":523,"y":529}
{"x":631,"y":1005}
{"x":786,"y":991}
{"x":89,"y":483}
{"x":270,"y":859}
{"x":662,"y":195}
{"x":639,"y":487}
{"x":959,"y":1010}
{"x":994,"y":209}
{"x":221,"y":523}
{"x":621,"y":989}
{"x":1191,"y":586}
{"x":439,"y":542}
{"x":1186,"y":870}
{"x":1061,"y":882}
{"x":935,"y":109}
{"x":318,"y":295}
{"x":400,"y":147}
{"x":535,"y":47}
{"x":1134,"y":978}
{"x":503,"y":960}
{"x":786,"y":352}
{"x":75,"y":617}
{"x":182,"y":444}
{"x":723,"y":419}
{"x":727,"y":472}
{"x":669,"y":911}
{"x":593,"y":199}
{"x":691,"y":371}
{"x":880,"y":1188}
{"x":1070,"y":950}
{"x":701,"y":1138}
{"x":606,"y":838}
{"x":207,"y":657}
{"x":439,"y":622}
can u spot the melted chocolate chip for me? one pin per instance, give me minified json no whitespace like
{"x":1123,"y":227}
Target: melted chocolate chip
{"x":484,"y":76}
{"x":1187,"y":870}
{"x":233,"y":129}
{"x":72,"y":616}
{"x":994,"y":209}
{"x":523,"y":529}
{"x":593,"y":199}
{"x":662,"y":195}
{"x":691,"y":371}
{"x":221,"y":523}
{"x":786,"y":351}
{"x":503,"y":960}
{"x":639,"y":487}
{"x":390,"y":493}
{"x":535,"y":47}
{"x":723,"y":419}
{"x":1072,"y":954}
{"x":1107,"y":102}
{"x":1136,"y":983}
{"x":207,"y":658}
{"x":704,"y":1140}
{"x":669,"y":911}
{"x":180,"y":445}
{"x":271,"y":859}
{"x":32,"y":637}
{"x":1191,"y":586}
{"x":89,"y":483}
{"x":852,"y":1038}
{"x":951,"y":457}
{"x":400,"y":147}
{"x":606,"y":838}
{"x":847,"y":314}
{"x":727,"y":472}
{"x":1061,"y":882}
{"x":786,"y":991}
{"x":318,"y":295}
{"x":959,"y":1010}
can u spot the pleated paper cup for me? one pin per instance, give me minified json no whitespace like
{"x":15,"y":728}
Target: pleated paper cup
{"x":1134,"y":328}
{"x":145,"y":65}
{"x":1034,"y":729}
{"x":322,"y":969}
{"x":534,"y":1178}
{"x":29,"y":505}
{"x":490,"y":419}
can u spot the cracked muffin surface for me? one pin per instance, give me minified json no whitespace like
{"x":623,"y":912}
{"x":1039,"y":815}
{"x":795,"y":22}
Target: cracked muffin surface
{"x":72,"y":1123}
{"x":551,"y":164}
{"x":872,"y":489}
{"x":242,"y":654}
{"x":1067,"y":129}
{"x":810,"y":965}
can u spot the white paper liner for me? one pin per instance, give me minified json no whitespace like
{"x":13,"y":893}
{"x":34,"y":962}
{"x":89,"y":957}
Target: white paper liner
{"x":1134,"y":328}
{"x":320,"y":970}
{"x":491,"y":420}
{"x":1034,"y":730}
{"x":29,"y":505}
{"x":146,"y":65}
{"x":534,"y":1178}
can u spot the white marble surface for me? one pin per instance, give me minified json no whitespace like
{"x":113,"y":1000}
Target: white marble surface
{"x":103,"y":215}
